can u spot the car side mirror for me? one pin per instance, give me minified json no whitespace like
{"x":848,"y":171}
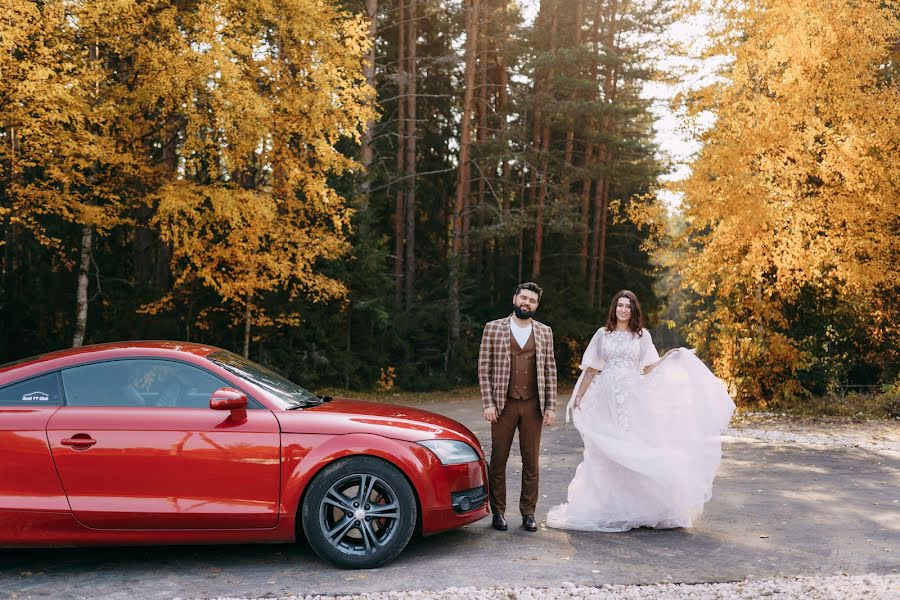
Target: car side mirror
{"x":228,"y":398}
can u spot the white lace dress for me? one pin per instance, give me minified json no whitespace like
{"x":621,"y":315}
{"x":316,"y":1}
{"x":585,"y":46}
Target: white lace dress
{"x":651,"y":442}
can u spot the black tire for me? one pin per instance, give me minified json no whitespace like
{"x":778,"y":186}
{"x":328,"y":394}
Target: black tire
{"x":348,"y":531}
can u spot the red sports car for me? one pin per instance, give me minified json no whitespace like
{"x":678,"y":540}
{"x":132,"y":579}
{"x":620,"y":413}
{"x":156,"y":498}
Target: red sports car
{"x":171,"y":442}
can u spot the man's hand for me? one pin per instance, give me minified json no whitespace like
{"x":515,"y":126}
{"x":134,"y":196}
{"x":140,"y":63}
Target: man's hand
{"x":549,"y":417}
{"x":490,"y":414}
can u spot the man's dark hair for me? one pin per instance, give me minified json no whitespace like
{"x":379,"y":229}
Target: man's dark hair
{"x":531,"y":287}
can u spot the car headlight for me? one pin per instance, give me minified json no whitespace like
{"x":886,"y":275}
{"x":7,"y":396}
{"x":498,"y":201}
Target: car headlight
{"x":451,"y":452}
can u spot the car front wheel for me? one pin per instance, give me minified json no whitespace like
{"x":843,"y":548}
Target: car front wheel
{"x":359,"y":512}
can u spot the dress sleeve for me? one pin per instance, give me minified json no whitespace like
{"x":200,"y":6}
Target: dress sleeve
{"x":649,"y":355}
{"x":592,"y":357}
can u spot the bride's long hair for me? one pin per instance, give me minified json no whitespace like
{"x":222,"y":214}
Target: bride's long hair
{"x":636,"y":322}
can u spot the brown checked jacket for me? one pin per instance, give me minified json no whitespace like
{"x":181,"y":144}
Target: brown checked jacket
{"x":494,"y":364}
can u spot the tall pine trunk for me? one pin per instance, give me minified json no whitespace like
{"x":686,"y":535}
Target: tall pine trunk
{"x":462,"y":179}
{"x":400,"y":201}
{"x":588,"y":181}
{"x":481,"y":112}
{"x":585,"y":210}
{"x":502,"y":109}
{"x":537,"y":257}
{"x":410,"y":170}
{"x":609,"y":92}
{"x":570,"y":131}
{"x":368,"y":149}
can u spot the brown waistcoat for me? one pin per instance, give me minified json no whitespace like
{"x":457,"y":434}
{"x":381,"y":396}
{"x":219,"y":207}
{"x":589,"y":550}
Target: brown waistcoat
{"x":522,"y":369}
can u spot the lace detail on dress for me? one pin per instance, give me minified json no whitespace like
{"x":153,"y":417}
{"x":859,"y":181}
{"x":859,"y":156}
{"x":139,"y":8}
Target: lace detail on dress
{"x":620,"y":387}
{"x":621,"y":350}
{"x":621,"y":354}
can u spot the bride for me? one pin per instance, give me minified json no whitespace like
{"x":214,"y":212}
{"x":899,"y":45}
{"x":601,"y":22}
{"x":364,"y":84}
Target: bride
{"x":651,"y":428}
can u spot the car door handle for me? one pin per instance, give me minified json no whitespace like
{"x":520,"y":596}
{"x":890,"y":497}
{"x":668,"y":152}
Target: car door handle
{"x":78,"y":442}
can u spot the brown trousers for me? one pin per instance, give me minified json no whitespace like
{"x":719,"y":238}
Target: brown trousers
{"x":524,"y":415}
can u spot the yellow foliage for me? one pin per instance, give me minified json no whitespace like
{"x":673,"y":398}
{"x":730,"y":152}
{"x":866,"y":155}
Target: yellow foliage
{"x":798,"y":182}
{"x":249,"y":209}
{"x":223,"y":116}
{"x":386,"y":379}
{"x":69,"y":143}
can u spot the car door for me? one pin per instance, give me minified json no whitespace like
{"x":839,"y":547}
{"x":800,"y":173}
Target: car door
{"x":28,"y":480}
{"x":137,"y":447}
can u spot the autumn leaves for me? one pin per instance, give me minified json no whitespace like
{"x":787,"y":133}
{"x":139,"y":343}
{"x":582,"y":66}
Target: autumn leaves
{"x":216,"y":121}
{"x":792,"y":208}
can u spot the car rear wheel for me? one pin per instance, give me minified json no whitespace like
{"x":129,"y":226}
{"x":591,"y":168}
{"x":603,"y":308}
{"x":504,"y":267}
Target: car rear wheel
{"x":359,"y":513}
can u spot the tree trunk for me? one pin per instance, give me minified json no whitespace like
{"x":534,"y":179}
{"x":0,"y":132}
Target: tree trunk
{"x":595,"y":242}
{"x":502,"y":109}
{"x":609,"y":92}
{"x":347,"y":349}
{"x":410,"y":205}
{"x":545,"y":165}
{"x":589,"y":152}
{"x":570,"y":132}
{"x":521,"y":247}
{"x":247,"y":312}
{"x":601,"y":259}
{"x":400,"y":201}
{"x":481,"y":113}
{"x":368,"y":150}
{"x":87,"y":243}
{"x":539,"y":208}
{"x":462,"y":180}
{"x":585,"y":211}
{"x":81,"y":293}
{"x":605,"y":155}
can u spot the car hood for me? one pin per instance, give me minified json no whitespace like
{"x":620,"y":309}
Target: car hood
{"x":342,"y":416}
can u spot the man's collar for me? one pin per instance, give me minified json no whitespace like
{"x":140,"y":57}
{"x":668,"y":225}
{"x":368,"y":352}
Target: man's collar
{"x":511,"y":320}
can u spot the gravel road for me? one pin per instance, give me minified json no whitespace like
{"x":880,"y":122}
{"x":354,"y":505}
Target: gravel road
{"x":808,"y":511}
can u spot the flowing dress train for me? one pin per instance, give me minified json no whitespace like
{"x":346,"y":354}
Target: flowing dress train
{"x":652,"y":442}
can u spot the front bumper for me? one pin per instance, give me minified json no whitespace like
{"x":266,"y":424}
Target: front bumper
{"x":454,"y":487}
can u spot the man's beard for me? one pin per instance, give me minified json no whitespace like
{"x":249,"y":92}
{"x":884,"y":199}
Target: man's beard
{"x":522,"y":313}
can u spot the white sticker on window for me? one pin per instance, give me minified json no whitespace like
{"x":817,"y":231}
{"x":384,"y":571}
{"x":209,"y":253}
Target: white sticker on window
{"x":36,"y":397}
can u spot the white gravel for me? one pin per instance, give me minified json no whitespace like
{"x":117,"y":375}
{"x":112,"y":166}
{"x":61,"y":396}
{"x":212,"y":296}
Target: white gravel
{"x":834,"y":438}
{"x":880,"y":587}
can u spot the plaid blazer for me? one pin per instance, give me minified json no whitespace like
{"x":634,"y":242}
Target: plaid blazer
{"x":494,"y":361}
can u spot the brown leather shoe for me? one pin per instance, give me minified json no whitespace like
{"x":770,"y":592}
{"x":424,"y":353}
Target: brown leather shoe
{"x":498,"y":522}
{"x":528,"y":523}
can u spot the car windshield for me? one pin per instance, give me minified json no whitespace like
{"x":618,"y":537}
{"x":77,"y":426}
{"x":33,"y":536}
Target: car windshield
{"x":283,"y":389}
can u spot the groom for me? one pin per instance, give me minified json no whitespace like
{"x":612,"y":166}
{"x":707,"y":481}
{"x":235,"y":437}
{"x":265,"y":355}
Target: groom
{"x":517,"y":374}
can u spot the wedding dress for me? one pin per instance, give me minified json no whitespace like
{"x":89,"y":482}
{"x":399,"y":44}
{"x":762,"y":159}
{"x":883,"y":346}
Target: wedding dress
{"x":651,"y":442}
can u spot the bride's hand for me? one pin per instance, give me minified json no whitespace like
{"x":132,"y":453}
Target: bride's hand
{"x":577,"y":402}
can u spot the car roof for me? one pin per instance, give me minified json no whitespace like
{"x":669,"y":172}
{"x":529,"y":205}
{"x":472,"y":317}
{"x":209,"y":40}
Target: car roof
{"x":35,"y":365}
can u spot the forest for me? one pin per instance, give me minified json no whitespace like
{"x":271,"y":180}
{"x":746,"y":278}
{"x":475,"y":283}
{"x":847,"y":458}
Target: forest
{"x":346,"y":191}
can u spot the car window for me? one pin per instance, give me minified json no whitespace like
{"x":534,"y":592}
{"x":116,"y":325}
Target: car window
{"x":285,"y":390}
{"x":139,"y":382}
{"x":37,"y":391}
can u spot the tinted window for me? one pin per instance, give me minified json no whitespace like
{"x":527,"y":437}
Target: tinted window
{"x":141,"y":382}
{"x":284,"y":389}
{"x":38,"y":391}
